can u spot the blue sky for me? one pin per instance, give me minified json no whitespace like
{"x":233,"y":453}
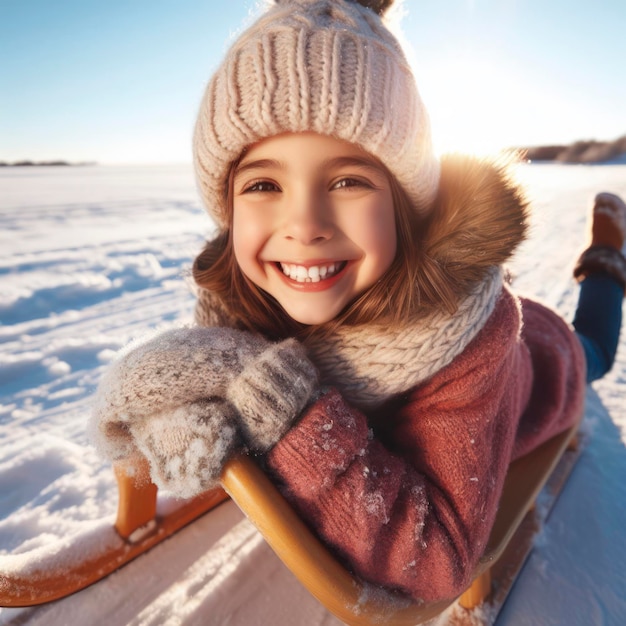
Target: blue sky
{"x":120,"y":81}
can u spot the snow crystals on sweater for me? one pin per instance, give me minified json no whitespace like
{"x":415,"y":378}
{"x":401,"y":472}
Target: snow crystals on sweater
{"x":381,"y":597}
{"x":374,"y":504}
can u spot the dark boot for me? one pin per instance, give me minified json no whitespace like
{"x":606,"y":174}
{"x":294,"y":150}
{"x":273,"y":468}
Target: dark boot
{"x":608,"y":232}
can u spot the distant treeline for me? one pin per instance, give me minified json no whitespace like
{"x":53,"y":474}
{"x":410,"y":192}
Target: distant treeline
{"x":587,"y":151}
{"x":40,"y":163}
{"x":583,"y":151}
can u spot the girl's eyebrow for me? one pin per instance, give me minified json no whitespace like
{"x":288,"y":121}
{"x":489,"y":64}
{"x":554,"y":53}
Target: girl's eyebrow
{"x":257,"y":164}
{"x":353,"y":161}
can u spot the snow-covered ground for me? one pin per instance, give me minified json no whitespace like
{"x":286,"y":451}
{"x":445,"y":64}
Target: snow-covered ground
{"x":93,"y":257}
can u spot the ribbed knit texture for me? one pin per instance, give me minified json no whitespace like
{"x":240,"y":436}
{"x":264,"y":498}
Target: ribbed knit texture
{"x":325,"y":66}
{"x":369,"y":364}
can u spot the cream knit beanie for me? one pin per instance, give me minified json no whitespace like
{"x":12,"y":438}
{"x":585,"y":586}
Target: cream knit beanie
{"x":326,"y":66}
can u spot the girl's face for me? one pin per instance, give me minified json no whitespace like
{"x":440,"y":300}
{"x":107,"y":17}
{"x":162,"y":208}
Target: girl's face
{"x":313,"y":222}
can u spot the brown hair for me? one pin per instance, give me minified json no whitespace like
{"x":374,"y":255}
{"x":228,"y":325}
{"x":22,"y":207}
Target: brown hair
{"x":406,"y":290}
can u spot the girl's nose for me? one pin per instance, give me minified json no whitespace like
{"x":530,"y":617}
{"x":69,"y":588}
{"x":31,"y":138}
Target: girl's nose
{"x":308,"y":221}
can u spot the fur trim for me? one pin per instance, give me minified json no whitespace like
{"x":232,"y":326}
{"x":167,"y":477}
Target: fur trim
{"x":479,"y":218}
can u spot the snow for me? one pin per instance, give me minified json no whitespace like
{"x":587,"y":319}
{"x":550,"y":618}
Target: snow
{"x":94,"y":257}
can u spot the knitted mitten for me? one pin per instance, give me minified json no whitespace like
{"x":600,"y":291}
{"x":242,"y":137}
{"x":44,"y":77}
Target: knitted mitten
{"x":271,"y":392}
{"x":163,"y":399}
{"x":167,"y":400}
{"x":608,"y":233}
{"x":188,"y":446}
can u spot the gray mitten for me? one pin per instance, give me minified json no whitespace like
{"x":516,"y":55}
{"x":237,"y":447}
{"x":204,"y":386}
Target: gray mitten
{"x":164,"y":399}
{"x":271,"y":392}
{"x":173,"y":368}
{"x":188,"y":446}
{"x":169,"y":399}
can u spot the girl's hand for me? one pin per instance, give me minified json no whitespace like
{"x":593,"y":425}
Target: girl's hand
{"x":189,"y":398}
{"x":271,"y":392}
{"x":187,"y":447}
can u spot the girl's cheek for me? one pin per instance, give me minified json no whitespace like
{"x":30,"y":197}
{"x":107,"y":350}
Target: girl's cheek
{"x":249,"y":235}
{"x":241,"y":239}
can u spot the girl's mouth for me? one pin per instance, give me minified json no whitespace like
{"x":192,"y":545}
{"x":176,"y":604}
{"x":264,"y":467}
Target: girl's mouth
{"x":313,"y":273}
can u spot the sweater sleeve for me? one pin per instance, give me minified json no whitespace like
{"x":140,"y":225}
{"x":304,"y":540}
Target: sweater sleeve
{"x":410,"y":503}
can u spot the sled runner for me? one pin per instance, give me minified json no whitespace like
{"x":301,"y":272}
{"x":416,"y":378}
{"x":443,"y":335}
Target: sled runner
{"x":139,"y":527}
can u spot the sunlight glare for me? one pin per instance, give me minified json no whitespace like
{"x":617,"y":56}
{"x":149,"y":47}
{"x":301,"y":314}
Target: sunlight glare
{"x":474,"y":107}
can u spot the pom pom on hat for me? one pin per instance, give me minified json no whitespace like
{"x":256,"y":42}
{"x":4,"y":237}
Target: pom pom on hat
{"x":378,"y":6}
{"x":325,"y":66}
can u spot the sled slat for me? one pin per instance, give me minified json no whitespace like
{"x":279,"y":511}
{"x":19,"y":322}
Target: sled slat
{"x":137,"y":498}
{"x":478,"y":591}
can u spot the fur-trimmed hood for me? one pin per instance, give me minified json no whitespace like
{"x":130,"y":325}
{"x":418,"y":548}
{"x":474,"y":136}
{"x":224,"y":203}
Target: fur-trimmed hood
{"x":478,"y":219}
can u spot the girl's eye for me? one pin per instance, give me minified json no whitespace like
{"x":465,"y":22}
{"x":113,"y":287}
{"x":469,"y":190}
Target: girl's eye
{"x":346,"y":183}
{"x":260,"y":186}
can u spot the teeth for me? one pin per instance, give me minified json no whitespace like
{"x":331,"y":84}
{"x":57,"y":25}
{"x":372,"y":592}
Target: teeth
{"x":312,"y":274}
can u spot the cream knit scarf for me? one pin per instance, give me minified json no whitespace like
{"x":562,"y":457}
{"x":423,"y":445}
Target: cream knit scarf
{"x":370,"y":364}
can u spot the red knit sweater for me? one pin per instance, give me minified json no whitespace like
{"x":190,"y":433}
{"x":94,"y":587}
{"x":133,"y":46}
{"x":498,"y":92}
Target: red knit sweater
{"x":408,"y":497}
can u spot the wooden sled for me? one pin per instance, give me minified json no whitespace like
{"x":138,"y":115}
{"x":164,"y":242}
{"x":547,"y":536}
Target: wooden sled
{"x":138,"y":528}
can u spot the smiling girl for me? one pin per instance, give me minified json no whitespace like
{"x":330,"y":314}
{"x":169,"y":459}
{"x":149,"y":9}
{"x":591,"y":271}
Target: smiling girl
{"x":315,"y":228}
{"x":354,"y":328}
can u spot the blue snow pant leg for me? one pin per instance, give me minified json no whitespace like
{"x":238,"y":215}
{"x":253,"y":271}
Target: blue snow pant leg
{"x":598,"y":321}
